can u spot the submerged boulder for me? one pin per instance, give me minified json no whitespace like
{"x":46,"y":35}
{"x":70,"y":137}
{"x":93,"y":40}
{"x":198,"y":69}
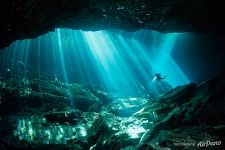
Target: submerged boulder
{"x":127,"y":106}
{"x":192,"y":113}
{"x":101,"y":95}
{"x":83,"y":98}
{"x":95,"y":126}
{"x":208,"y":103}
{"x":179,"y":95}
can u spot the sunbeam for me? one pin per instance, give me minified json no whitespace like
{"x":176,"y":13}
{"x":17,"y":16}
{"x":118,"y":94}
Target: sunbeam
{"x":100,"y":58}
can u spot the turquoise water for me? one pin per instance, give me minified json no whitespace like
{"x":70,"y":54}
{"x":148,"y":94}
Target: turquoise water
{"x":110,"y":58}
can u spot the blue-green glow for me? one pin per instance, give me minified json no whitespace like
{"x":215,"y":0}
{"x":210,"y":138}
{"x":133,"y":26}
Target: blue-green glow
{"x":109,"y":58}
{"x":61,"y":54}
{"x":161,"y":61}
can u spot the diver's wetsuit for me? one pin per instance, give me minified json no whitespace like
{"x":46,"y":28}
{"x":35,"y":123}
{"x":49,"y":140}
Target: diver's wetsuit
{"x":158,"y":77}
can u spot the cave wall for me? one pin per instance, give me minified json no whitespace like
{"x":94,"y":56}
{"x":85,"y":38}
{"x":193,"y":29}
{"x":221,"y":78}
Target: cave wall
{"x":21,"y":19}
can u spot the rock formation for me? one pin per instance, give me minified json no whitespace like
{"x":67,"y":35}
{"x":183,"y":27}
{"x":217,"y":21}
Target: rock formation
{"x":39,"y":115}
{"x":22,"y":19}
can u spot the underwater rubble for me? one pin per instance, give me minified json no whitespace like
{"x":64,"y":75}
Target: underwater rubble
{"x":49,"y":114}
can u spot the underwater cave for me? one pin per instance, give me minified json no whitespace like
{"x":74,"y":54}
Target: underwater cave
{"x":112,"y":75}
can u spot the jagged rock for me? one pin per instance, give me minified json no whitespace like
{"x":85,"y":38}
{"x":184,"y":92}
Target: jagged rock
{"x":129,"y":148}
{"x":29,"y":94}
{"x":161,"y":87}
{"x":146,"y":147}
{"x":120,"y":140}
{"x":101,"y":95}
{"x":208,"y":102}
{"x":167,"y":107}
{"x":129,"y":133}
{"x":95,"y":126}
{"x":179,"y":95}
{"x":95,"y":107}
{"x":82,"y":97}
{"x":201,"y":108}
{"x":70,"y":117}
{"x":32,"y":18}
{"x":127,"y":106}
{"x":159,"y":107}
{"x":98,"y":145}
{"x":84,"y":104}
{"x":124,"y":138}
{"x":75,"y":144}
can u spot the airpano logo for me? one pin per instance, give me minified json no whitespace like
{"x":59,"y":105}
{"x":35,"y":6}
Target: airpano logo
{"x":208,"y":143}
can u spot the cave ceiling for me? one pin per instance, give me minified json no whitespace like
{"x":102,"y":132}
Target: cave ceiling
{"x":22,"y":19}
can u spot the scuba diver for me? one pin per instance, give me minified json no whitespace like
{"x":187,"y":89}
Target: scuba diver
{"x":158,"y":77}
